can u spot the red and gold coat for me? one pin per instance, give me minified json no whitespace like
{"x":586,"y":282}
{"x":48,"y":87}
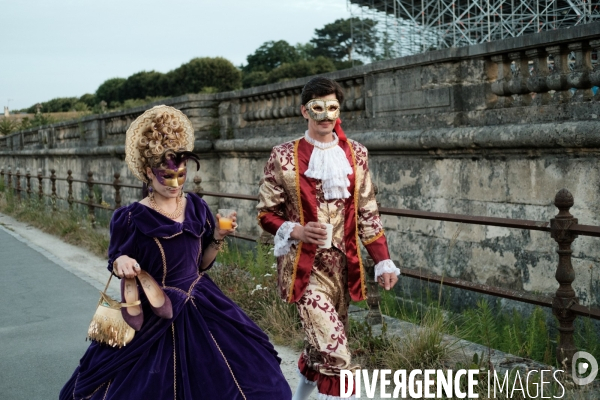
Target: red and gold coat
{"x":286,"y":194}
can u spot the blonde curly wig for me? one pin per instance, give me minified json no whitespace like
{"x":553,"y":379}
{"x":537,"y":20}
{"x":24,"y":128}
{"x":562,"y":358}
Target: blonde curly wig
{"x":152,"y":134}
{"x":164,"y":133}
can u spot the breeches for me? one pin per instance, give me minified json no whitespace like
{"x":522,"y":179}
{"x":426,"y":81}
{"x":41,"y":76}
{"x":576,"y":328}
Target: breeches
{"x":323,"y":310}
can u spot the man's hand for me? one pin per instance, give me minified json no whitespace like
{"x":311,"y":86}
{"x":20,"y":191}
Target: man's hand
{"x":312,"y":232}
{"x":387,"y":280}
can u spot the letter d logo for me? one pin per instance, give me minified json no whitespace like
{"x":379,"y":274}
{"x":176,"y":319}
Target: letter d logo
{"x":584,"y":367}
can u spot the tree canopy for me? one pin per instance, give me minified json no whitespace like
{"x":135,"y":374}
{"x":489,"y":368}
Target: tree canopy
{"x":270,"y":56}
{"x":341,"y":38}
{"x":341,"y":44}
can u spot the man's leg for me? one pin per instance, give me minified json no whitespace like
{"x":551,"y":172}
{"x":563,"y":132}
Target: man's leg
{"x":323,"y":310}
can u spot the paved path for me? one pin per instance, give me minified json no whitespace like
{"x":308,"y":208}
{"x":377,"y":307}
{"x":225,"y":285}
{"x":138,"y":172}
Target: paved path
{"x":48,"y":294}
{"x":45,"y":311}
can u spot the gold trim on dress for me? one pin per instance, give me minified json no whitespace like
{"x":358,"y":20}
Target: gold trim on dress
{"x":107,"y":387}
{"x":363,"y":286}
{"x":301,"y":214}
{"x":228,"y":366}
{"x":164,"y":260}
{"x":174,"y":364}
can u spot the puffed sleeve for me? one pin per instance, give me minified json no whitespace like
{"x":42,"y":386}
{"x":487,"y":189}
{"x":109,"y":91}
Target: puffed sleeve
{"x":122,"y":236}
{"x":272,"y":197}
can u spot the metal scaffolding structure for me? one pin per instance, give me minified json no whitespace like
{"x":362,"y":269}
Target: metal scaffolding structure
{"x":413,"y":26}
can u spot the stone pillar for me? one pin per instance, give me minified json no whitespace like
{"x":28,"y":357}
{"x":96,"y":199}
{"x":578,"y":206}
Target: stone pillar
{"x":579,"y":77}
{"x":517,"y":84}
{"x":557,"y":78}
{"x":500,"y":85}
{"x":537,"y":80}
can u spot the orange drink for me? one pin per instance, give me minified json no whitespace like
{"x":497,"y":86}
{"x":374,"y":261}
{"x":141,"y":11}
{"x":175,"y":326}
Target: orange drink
{"x":226,"y":218}
{"x":225,"y":223}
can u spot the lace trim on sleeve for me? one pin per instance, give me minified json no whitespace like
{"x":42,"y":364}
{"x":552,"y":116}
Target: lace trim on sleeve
{"x":384,"y":267}
{"x":282,"y":240}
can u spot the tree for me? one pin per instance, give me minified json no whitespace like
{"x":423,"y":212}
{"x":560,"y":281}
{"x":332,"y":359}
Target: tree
{"x":342,"y":38}
{"x":7,"y":126}
{"x":319,"y":65}
{"x":109,"y":91}
{"x":141,"y":85}
{"x":200,"y":73}
{"x":270,"y":56}
{"x":88,"y":99}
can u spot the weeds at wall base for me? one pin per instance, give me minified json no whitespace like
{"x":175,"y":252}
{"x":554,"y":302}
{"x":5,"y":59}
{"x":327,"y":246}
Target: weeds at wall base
{"x":72,"y":226}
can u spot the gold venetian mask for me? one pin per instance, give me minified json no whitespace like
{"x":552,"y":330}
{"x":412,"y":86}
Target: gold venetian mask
{"x":170,"y":177}
{"x":323,"y":110}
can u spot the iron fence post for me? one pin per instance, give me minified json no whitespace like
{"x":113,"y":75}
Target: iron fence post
{"x":18,"y":184}
{"x":70,"y":192}
{"x":9,"y":178}
{"x":53,"y":180}
{"x":28,"y":179}
{"x":91,"y":208}
{"x":565,"y":296}
{"x":40,"y":188}
{"x":373,"y":298}
{"x":117,"y":186}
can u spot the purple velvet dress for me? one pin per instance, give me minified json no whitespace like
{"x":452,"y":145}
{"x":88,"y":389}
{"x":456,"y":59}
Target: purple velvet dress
{"x":209,"y":350}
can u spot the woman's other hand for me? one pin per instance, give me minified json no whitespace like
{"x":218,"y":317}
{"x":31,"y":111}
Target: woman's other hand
{"x":126,"y":267}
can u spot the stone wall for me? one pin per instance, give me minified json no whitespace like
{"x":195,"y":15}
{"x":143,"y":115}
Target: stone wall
{"x":494,"y":129}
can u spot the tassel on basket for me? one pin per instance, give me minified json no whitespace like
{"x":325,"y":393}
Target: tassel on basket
{"x":108,"y":325}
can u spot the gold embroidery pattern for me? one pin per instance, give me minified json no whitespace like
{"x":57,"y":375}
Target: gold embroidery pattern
{"x":363,"y":286}
{"x":172,"y":236}
{"x":174,"y":364}
{"x":374,"y":238}
{"x":227,"y":363}
{"x":164,"y":260}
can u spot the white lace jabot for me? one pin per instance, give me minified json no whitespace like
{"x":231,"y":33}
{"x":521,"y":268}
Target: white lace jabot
{"x":329,"y":163}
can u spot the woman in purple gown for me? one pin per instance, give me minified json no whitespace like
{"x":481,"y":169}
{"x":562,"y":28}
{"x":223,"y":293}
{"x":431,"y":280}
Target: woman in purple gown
{"x":207,"y":348}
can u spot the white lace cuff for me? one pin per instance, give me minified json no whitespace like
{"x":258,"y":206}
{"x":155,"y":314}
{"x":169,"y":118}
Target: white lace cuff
{"x":384,"y":267}
{"x":282,"y":238}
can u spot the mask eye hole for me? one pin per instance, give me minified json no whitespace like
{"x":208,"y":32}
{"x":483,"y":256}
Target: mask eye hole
{"x":168,"y":176}
{"x":317,"y":108}
{"x":332,"y":107}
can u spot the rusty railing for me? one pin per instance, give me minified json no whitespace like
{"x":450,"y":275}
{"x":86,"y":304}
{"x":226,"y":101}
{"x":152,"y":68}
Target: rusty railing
{"x":14,"y":182}
{"x":564,"y":229}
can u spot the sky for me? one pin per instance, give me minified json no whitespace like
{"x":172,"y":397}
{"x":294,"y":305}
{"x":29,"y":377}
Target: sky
{"x":64,"y":48}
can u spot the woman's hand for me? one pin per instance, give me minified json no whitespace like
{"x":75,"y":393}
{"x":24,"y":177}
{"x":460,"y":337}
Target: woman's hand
{"x":221,"y":233}
{"x":126,"y":267}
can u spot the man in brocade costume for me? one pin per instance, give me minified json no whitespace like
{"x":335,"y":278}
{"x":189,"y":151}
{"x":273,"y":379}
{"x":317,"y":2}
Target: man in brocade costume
{"x":323,"y":178}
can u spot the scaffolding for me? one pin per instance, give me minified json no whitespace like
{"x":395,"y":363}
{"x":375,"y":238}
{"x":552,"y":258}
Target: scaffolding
{"x":408,"y":27}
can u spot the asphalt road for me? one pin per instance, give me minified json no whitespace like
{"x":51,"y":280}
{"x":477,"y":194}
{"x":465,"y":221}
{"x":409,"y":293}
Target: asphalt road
{"x":44,"y":318}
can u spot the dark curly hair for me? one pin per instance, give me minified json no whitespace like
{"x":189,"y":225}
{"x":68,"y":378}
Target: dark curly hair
{"x":320,"y":86}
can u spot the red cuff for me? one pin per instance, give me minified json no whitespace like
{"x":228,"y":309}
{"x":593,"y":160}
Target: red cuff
{"x":378,"y":249}
{"x":270,"y":222}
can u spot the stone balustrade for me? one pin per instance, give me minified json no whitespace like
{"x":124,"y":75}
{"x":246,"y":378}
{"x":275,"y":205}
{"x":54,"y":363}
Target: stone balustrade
{"x":463,"y":130}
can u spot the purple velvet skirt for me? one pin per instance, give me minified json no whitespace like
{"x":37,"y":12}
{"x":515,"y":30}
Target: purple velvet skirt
{"x":209,"y":350}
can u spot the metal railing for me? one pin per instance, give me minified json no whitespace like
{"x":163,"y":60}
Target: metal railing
{"x":564,"y":229}
{"x":14,"y":182}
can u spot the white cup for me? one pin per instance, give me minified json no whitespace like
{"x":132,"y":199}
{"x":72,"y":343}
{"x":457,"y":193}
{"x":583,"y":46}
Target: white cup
{"x":329,"y":228}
